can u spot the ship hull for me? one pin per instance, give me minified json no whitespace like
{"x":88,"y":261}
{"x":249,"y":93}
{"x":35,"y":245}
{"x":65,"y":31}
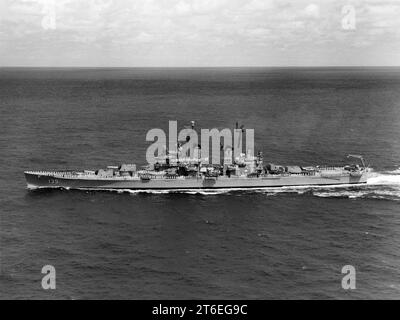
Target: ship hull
{"x":46,"y":180}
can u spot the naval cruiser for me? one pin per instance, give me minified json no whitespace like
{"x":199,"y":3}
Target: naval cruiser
{"x":171,"y":173}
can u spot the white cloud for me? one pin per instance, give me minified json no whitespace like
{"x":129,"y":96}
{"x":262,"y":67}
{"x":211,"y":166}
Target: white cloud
{"x":144,"y":37}
{"x":312,"y":10}
{"x":182,"y":7}
{"x":245,"y":31}
{"x":256,"y":5}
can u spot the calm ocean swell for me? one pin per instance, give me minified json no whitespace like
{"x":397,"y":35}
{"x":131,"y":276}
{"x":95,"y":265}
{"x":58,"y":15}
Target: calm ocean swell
{"x":264,"y":243}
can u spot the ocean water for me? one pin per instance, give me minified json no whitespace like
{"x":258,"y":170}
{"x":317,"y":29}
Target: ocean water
{"x":257,"y":244}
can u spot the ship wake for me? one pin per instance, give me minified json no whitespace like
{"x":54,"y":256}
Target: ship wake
{"x":381,"y":185}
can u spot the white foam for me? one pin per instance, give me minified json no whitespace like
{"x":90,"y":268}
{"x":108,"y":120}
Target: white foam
{"x":367,"y":194}
{"x":396,"y":171}
{"x":381,"y":185}
{"x":385,"y":178}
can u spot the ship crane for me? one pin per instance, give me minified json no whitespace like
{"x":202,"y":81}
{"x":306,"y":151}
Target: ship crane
{"x":357,"y":156}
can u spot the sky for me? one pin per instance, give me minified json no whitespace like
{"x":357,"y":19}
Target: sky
{"x":199,"y":33}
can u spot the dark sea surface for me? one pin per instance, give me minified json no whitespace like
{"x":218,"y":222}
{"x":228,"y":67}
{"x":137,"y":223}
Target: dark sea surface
{"x":278,"y":244}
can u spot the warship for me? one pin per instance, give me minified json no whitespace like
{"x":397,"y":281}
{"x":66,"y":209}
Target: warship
{"x":171,"y":173}
{"x":180,"y":169}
